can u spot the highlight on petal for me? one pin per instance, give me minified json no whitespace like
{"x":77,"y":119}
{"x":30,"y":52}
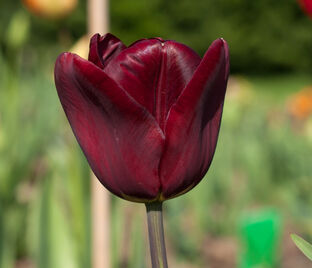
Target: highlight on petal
{"x":154,"y":72}
{"x":104,"y":48}
{"x":121,"y":140}
{"x":193,"y":124}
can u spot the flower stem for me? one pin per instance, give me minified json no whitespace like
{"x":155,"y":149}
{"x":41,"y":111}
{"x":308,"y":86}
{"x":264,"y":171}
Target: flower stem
{"x":156,"y":235}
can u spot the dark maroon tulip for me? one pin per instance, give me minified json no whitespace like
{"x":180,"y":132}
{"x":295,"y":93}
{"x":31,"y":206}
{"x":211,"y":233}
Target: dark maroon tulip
{"x":306,"y":6}
{"x":146,"y":116}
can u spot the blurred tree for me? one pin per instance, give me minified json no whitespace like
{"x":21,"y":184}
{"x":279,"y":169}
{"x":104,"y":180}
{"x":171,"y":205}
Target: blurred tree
{"x":263,"y":36}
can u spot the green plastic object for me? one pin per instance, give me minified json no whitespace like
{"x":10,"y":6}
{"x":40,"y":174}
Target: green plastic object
{"x":260,"y":233}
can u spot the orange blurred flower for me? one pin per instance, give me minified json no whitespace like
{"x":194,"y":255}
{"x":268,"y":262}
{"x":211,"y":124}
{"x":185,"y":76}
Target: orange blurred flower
{"x":300,"y":104}
{"x":51,"y":9}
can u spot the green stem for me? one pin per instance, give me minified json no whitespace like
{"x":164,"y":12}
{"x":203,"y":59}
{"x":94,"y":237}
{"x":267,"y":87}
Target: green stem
{"x":156,"y":235}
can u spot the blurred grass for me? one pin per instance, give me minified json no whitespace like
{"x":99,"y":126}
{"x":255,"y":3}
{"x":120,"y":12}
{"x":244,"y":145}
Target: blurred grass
{"x":44,"y":179}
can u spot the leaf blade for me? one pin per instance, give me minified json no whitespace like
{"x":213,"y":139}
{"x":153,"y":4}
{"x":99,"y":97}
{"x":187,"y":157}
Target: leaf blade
{"x":304,"y":246}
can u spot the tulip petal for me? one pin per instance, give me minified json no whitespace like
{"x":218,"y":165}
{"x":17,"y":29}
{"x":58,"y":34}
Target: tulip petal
{"x":121,"y":140}
{"x":104,"y":48}
{"x":154,"y":72}
{"x":193,"y":124}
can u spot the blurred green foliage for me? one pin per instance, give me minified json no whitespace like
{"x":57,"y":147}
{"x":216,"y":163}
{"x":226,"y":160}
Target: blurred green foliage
{"x":264,"y":36}
{"x":44,"y":196}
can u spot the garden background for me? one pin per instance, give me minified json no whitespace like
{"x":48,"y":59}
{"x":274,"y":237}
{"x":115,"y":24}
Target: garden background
{"x":261,"y":172}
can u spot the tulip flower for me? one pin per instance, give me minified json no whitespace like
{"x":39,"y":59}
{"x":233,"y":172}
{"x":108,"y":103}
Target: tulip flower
{"x":306,"y":6}
{"x":147,"y":116}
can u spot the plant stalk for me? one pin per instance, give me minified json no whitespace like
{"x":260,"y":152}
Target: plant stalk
{"x":156,"y":235}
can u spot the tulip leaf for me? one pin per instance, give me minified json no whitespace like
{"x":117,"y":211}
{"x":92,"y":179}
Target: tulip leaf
{"x":304,"y":246}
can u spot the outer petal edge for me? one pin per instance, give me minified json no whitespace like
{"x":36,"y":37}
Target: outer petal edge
{"x":193,"y":123}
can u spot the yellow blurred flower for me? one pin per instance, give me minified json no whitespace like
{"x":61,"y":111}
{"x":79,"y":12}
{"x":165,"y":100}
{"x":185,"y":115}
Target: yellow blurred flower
{"x":81,"y":47}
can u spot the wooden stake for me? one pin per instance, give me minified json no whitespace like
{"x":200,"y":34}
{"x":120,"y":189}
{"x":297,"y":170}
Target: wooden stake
{"x":98,"y":17}
{"x":100,"y":198}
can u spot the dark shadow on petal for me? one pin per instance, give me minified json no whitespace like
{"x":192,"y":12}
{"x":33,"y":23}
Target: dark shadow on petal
{"x":104,"y":48}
